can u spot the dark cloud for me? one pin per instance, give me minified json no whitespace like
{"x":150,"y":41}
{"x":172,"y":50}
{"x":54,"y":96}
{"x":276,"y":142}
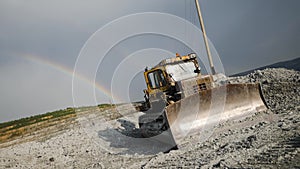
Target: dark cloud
{"x":247,"y":34}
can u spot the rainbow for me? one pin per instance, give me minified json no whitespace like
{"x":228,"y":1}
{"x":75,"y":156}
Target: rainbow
{"x":67,"y":71}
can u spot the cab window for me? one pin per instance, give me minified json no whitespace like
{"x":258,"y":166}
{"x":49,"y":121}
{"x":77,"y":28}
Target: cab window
{"x":156,"y":79}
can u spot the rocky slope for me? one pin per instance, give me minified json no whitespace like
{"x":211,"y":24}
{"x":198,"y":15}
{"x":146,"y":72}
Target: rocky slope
{"x":269,"y":139}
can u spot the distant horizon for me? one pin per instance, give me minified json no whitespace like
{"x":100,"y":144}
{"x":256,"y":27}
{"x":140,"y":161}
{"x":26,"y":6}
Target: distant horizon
{"x":41,"y":113}
{"x":268,"y":66}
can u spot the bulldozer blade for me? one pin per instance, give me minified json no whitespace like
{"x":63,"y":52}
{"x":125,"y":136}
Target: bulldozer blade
{"x":210,"y":107}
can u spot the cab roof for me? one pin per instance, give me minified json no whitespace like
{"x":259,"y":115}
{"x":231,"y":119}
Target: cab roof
{"x":175,"y":60}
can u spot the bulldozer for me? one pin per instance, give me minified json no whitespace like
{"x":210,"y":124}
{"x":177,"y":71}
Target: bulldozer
{"x":180,"y":100}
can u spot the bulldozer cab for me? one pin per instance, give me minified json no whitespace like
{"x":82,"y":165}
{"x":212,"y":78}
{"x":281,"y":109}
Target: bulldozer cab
{"x":163,"y":77}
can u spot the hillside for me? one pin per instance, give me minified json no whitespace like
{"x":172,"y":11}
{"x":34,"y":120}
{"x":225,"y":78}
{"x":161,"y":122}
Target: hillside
{"x":293,"y":64}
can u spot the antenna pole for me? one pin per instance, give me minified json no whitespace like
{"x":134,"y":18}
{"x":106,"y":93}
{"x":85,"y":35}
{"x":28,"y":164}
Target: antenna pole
{"x":213,"y":71}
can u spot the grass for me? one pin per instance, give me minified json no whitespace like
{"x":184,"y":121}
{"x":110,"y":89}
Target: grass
{"x":35,"y":119}
{"x":15,"y":128}
{"x":106,"y":105}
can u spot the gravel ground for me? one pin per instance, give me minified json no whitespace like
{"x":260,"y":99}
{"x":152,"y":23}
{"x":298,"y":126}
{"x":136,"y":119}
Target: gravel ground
{"x":268,"y":139}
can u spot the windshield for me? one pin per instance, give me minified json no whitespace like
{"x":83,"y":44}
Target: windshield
{"x":156,"y":79}
{"x":181,"y":71}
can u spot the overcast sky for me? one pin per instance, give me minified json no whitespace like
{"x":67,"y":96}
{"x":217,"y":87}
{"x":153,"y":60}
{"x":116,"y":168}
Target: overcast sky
{"x":40,"y":42}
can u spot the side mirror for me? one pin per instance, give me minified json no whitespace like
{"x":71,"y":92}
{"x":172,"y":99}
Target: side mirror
{"x":197,"y":71}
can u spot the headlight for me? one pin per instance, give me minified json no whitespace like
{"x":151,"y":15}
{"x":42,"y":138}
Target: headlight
{"x":192,"y":55}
